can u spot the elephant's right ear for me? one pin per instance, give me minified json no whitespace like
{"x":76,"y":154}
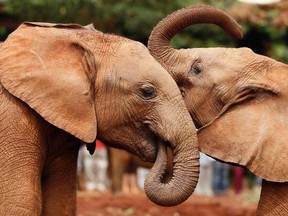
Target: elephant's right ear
{"x":252,"y":134}
{"x":45,"y":66}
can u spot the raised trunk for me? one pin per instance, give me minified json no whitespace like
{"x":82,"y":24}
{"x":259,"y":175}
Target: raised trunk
{"x":180,"y":135}
{"x":164,"y":31}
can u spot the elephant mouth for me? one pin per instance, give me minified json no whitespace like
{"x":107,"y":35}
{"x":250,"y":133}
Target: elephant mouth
{"x":148,"y":148}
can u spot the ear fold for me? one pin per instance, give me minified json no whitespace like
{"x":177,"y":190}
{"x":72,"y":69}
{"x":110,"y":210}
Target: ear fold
{"x":253,"y":134}
{"x":50,"y":71}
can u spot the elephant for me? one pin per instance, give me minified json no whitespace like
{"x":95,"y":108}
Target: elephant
{"x":237,"y":100}
{"x":65,"y":84}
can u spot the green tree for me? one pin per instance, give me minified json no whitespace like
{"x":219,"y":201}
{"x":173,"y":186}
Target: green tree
{"x":136,"y":18}
{"x":130,"y":18}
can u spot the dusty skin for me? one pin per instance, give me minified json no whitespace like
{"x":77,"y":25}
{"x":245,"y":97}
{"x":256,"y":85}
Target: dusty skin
{"x":59,"y":87}
{"x":237,"y":99}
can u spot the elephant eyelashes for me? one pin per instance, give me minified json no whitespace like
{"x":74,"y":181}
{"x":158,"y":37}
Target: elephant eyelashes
{"x":147,"y":91}
{"x":183,"y":93}
{"x":196,"y":68}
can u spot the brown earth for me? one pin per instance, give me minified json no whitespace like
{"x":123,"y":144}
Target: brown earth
{"x":105,"y":204}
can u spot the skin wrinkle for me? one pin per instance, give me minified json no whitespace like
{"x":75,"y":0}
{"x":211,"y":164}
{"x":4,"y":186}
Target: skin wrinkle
{"x":12,"y":139}
{"x":89,"y":67}
{"x":226,"y":91}
{"x":238,"y":98}
{"x":129,"y":106}
{"x":38,"y":57}
{"x":202,"y":116}
{"x":120,"y":85}
{"x":215,"y":105}
{"x":277,"y":197}
{"x":218,"y":103}
{"x":176,"y":102}
{"x":108,"y":99}
{"x":260,"y":142}
{"x":56,"y":126}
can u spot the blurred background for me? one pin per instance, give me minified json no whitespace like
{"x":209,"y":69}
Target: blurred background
{"x":111,"y":181}
{"x":264,"y":25}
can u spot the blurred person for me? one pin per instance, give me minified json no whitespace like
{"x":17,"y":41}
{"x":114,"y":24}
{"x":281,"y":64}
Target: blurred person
{"x":220,"y":178}
{"x":204,"y":186}
{"x":253,"y":183}
{"x":95,"y":168}
{"x":141,"y":173}
{"x":238,"y":179}
{"x":257,"y":185}
{"x":123,"y":171}
{"x":129,"y":184}
{"x":129,"y":180}
{"x":257,"y":182}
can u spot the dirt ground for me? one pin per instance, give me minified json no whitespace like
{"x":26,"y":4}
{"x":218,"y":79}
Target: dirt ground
{"x":105,"y":204}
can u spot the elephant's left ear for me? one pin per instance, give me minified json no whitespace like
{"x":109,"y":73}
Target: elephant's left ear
{"x":254,"y":134}
{"x":46,"y":67}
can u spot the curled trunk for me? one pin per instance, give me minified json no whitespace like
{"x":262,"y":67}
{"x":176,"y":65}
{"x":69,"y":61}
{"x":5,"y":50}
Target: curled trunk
{"x":164,"y":31}
{"x":179,"y":134}
{"x":183,"y":181}
{"x":184,"y":147}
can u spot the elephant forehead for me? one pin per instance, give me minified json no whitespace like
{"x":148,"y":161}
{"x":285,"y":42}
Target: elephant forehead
{"x":220,"y":54}
{"x":134,"y":72}
{"x":137,"y":65}
{"x":133,"y":49}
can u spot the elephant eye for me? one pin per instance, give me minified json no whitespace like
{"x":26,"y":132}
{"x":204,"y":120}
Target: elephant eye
{"x":147,"y":91}
{"x":196,"y":68}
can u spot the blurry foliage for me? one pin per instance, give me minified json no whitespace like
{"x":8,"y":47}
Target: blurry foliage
{"x":136,"y":18}
{"x":131,"y":18}
{"x":267,"y":40}
{"x":3,"y":31}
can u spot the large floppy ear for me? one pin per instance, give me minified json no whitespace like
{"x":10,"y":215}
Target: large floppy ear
{"x":253,"y":134}
{"x":45,"y":66}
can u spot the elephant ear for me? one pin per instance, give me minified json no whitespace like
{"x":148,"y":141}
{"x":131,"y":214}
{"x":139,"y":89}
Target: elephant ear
{"x":252,"y":134}
{"x":45,"y":66}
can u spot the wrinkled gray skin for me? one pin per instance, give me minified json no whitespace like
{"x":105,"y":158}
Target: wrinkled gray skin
{"x":237,"y":99}
{"x":61,"y":85}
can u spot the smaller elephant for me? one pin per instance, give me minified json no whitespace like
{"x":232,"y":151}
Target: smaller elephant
{"x":238,"y":100}
{"x":63,"y":84}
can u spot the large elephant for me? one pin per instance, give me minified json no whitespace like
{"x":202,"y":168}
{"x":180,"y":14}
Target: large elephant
{"x":237,"y":99}
{"x":64,"y":83}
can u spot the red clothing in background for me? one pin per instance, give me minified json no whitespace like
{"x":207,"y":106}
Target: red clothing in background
{"x":99,"y":144}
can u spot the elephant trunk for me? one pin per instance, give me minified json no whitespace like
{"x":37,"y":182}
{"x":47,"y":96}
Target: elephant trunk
{"x":183,"y":143}
{"x":165,"y":30}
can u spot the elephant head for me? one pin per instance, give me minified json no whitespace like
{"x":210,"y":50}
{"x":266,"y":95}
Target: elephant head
{"x":237,"y":99}
{"x":88,"y":83}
